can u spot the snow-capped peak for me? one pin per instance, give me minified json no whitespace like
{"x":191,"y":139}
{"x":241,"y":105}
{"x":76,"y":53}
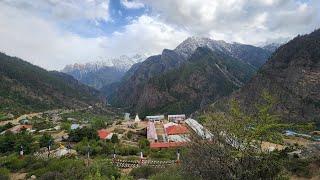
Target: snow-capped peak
{"x":188,"y":46}
{"x":122,"y":63}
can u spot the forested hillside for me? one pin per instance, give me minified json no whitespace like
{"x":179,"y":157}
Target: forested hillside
{"x":292,"y":76}
{"x":25,"y":87}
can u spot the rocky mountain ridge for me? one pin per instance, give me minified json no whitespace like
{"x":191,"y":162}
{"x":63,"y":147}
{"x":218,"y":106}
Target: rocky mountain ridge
{"x":292,"y":77}
{"x":103,"y":72}
{"x":130,"y":90}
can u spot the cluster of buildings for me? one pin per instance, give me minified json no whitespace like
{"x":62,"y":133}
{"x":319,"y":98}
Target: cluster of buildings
{"x":174,"y":131}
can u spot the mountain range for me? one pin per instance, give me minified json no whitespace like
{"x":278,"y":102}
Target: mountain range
{"x":103,"y":72}
{"x":196,"y":72}
{"x":28,"y":88}
{"x":292,"y":76}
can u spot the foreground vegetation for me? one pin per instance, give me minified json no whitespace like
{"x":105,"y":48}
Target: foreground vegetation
{"x":235,"y":151}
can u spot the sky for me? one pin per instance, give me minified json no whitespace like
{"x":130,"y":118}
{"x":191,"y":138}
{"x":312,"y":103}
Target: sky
{"x":54,"y":33}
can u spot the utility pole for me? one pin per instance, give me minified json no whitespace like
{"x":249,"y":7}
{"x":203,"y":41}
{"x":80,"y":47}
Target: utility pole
{"x":141,"y":158}
{"x":21,"y":151}
{"x":114,"y":152}
{"x":49,"y":147}
{"x":88,"y":153}
{"x":178,"y":156}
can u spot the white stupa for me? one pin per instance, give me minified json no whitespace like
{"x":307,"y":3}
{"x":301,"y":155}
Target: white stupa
{"x":137,"y":119}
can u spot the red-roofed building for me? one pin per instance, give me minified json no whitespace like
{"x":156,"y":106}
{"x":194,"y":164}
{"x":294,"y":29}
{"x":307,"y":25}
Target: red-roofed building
{"x":18,"y":128}
{"x":177,"y":129}
{"x":104,"y":134}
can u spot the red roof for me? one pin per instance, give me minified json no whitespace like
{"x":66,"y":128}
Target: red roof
{"x":177,"y":129}
{"x":166,"y":144}
{"x":103,"y":133}
{"x":18,"y":128}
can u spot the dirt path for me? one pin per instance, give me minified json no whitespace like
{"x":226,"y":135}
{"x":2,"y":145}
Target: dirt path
{"x":18,"y":176}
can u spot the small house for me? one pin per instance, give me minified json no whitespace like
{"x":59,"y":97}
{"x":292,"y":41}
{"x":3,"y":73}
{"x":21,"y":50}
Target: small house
{"x":177,"y":118}
{"x":18,"y":128}
{"x":104,"y":134}
{"x":75,"y":126}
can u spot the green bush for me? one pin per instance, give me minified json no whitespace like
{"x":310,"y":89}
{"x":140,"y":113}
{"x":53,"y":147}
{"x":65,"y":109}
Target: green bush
{"x":52,"y":176}
{"x":5,"y":127}
{"x":10,"y":142}
{"x":143,"y":172}
{"x":4,"y":173}
{"x":94,"y":148}
{"x":78,"y":134}
{"x":98,"y":123}
{"x":69,"y":168}
{"x":13,"y":162}
{"x":144,"y":143}
{"x":114,"y":138}
{"x":66,"y":126}
{"x":299,"y":167}
{"x":3,"y":117}
{"x":128,"y":150}
{"x":105,"y":168}
{"x":45,"y":139}
{"x":164,"y":154}
{"x":171,"y":173}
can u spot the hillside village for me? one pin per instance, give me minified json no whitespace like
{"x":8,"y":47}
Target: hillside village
{"x":131,"y":140}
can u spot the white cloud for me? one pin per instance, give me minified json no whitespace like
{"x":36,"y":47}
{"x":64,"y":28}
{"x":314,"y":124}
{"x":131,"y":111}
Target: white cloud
{"x":145,"y":35}
{"x":247,"y":21}
{"x":130,"y":4}
{"x":41,"y":42}
{"x":44,"y":43}
{"x":32,"y":29}
{"x":65,"y":10}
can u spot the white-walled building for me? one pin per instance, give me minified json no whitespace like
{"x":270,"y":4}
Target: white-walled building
{"x":155,"y":118}
{"x":178,"y":118}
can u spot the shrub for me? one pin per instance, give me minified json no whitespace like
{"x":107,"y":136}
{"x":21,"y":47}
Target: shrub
{"x":13,"y":163}
{"x":78,"y":134}
{"x":129,"y":135}
{"x":94,"y":147}
{"x":144,"y":143}
{"x":45,"y":139}
{"x":114,"y":138}
{"x":128,"y":150}
{"x":299,"y":167}
{"x":52,"y":176}
{"x":66,"y":126}
{"x":172,"y":173}
{"x":143,"y":172}
{"x":105,"y":168}
{"x":98,"y":123}
{"x":4,"y":174}
{"x":69,"y":168}
{"x":6,"y":126}
{"x":163,"y":154}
